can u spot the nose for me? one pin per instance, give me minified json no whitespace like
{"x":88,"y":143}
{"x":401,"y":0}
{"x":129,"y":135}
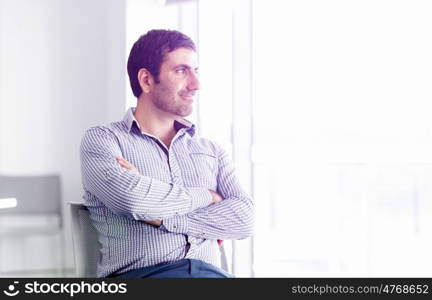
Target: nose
{"x":194,"y":83}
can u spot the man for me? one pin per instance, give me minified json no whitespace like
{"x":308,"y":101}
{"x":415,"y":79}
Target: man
{"x":159,"y":195}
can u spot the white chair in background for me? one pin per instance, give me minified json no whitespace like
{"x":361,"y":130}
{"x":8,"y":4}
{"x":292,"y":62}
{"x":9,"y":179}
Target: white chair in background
{"x":86,"y":244}
{"x":37,"y":213}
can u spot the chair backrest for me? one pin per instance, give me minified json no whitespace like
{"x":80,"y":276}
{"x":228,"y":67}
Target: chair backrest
{"x":85,"y":241}
{"x":86,"y":244}
{"x":34,"y":194}
{"x":224,"y":259}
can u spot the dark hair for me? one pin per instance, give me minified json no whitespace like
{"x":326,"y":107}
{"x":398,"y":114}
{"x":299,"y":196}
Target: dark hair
{"x":149,"y":51}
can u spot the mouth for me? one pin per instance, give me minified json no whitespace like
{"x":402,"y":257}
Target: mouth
{"x":188,"y":98}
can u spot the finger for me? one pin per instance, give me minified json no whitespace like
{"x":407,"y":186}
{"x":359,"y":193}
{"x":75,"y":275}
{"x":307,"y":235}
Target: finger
{"x":125,"y":165}
{"x":121,"y":159}
{"x":124,"y":162}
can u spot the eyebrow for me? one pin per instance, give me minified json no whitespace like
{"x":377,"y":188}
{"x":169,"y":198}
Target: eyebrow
{"x":184,"y":66}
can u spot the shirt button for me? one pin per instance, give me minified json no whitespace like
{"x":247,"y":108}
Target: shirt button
{"x":174,"y":226}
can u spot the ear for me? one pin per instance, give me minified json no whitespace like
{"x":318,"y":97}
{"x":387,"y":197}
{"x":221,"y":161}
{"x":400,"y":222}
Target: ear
{"x":145,"y":80}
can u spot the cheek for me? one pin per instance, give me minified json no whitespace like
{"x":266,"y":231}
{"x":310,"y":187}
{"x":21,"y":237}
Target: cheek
{"x":163,"y":89}
{"x":172,"y":87}
{"x":177,"y":89}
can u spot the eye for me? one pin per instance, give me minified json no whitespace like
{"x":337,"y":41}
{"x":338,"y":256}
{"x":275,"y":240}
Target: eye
{"x":181,"y":70}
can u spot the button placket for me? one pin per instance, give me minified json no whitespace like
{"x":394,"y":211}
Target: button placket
{"x":175,"y":169}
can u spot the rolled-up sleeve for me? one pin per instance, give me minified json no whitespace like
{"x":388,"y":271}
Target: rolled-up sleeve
{"x":127,"y":193}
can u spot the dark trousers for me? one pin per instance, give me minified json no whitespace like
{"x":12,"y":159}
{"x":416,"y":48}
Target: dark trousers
{"x":185,"y":268}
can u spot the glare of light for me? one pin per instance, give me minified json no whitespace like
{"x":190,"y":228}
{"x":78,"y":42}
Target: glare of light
{"x":8,"y":202}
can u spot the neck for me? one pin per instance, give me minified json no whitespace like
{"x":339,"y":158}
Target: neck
{"x":155,"y":122}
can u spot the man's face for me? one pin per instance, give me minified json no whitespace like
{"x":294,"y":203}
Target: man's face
{"x":178,"y":83}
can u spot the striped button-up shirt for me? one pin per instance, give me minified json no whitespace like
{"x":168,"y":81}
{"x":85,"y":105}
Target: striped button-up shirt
{"x":172,"y":185}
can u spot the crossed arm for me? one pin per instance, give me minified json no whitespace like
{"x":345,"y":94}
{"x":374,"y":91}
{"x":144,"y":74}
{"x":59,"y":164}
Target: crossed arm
{"x":216,"y":198}
{"x":193,"y":211}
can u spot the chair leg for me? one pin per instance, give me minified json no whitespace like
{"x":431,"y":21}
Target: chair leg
{"x":62,"y":255}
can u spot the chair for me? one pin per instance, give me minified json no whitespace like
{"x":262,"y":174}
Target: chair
{"x":85,"y":241}
{"x":37,"y":213}
{"x":86,"y":245}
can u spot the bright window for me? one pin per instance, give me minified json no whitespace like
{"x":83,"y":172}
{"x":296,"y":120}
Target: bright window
{"x":343,"y":138}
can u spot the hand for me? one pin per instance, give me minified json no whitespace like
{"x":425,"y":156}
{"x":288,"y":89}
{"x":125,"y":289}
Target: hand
{"x":127,"y":165}
{"x":216,"y":198}
{"x":156,"y":223}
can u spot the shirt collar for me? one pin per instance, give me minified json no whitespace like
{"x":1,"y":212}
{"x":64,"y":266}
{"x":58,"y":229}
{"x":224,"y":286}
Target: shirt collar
{"x":129,"y":120}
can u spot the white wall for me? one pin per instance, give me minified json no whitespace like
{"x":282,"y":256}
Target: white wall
{"x":62,"y":70}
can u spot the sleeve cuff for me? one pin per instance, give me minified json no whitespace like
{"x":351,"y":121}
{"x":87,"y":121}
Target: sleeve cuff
{"x":201,"y":197}
{"x":176,"y":224}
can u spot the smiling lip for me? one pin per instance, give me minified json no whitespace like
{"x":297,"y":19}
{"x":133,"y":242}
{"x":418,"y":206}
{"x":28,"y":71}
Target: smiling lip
{"x":188,"y":98}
